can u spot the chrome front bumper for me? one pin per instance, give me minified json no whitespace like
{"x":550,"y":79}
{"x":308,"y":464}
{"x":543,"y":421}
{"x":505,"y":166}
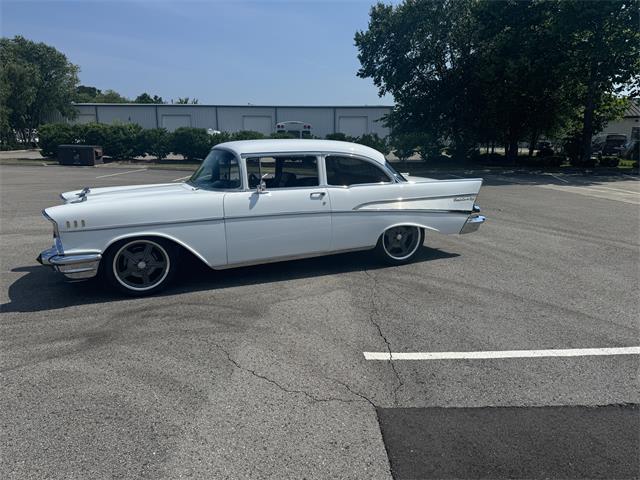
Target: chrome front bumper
{"x":74,"y":267}
{"x":473,"y":223}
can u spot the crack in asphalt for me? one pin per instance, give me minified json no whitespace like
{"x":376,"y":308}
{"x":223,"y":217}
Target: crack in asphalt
{"x":311,"y":397}
{"x":373,"y":314}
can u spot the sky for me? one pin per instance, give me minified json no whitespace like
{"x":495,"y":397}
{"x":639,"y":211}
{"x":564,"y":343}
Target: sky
{"x":221,"y":52}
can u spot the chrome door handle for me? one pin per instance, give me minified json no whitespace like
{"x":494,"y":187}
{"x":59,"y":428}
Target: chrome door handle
{"x":317,"y":194}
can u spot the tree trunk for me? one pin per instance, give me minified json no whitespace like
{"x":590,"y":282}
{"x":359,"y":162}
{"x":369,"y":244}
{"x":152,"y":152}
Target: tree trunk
{"x":587,"y":123}
{"x":512,"y":151}
{"x":532,"y":142}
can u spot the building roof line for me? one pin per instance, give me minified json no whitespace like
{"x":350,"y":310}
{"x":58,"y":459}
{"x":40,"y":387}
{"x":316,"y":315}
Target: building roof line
{"x":225,"y":106}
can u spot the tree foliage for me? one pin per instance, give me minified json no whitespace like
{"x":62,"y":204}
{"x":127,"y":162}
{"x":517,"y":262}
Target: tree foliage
{"x":146,"y":98}
{"x":36,"y":82}
{"x":187,"y":100}
{"x":86,"y":94}
{"x":477,"y":71}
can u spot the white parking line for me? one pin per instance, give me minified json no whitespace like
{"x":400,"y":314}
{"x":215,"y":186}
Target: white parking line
{"x":572,"y":352}
{"x":181,"y":178}
{"x":123,"y":173}
{"x":452,"y":175}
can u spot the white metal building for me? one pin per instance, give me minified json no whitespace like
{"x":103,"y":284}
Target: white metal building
{"x":629,"y":124}
{"x":353,"y":121}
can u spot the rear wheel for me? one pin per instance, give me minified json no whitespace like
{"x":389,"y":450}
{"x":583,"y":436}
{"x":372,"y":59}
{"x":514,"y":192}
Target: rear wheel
{"x":399,"y":245}
{"x":140,"y":266}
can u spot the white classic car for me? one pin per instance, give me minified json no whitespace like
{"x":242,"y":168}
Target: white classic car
{"x":254,"y":202}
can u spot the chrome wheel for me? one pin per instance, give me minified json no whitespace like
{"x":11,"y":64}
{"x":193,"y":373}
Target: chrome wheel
{"x":141,"y":265}
{"x":400,"y":243}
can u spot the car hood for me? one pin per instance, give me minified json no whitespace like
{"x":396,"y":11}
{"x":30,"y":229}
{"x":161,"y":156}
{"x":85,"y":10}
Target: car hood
{"x":127,"y":191}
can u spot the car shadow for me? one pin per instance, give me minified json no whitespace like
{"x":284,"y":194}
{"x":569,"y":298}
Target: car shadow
{"x":41,"y":289}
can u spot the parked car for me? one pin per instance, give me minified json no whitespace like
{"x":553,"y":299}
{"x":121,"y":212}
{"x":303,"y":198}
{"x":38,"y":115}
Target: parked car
{"x":609,"y":144}
{"x":252,"y":202}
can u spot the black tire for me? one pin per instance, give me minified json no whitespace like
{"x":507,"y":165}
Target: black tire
{"x":409,"y":240}
{"x":140,"y":266}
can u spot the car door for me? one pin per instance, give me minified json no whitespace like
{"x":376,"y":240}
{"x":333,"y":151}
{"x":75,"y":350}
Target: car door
{"x":290,"y":218}
{"x":351,"y":182}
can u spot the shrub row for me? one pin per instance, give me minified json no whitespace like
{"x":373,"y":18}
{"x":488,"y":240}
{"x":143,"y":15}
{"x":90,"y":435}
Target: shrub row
{"x":120,"y":141}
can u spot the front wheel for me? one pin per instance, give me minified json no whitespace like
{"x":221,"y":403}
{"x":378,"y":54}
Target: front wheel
{"x":140,"y":266}
{"x":399,"y":245}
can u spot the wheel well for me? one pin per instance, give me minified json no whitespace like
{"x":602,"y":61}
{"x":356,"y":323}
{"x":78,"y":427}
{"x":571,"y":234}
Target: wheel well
{"x":422,"y":228}
{"x":180,"y":249}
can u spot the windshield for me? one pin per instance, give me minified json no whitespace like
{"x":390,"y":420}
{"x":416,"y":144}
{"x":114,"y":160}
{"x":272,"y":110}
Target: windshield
{"x":220,"y":170}
{"x":394,"y":173}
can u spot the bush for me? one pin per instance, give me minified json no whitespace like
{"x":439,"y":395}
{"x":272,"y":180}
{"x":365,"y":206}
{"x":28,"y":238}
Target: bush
{"x":216,"y":138}
{"x":577,"y":162}
{"x":155,"y":142}
{"x":93,"y":134}
{"x":608,"y":161}
{"x":283,"y":135}
{"x":374,"y":141}
{"x":53,"y":134}
{"x":191,"y":143}
{"x":122,"y":141}
{"x":552,"y":161}
{"x":341,"y":137}
{"x":246,"y":135}
{"x":404,"y":145}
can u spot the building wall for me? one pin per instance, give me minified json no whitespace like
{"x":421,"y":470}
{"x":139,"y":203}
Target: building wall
{"x":353,"y":121}
{"x":625,"y":125}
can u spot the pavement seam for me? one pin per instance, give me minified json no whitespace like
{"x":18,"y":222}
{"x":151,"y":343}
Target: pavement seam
{"x":373,"y":314}
{"x":285,"y":389}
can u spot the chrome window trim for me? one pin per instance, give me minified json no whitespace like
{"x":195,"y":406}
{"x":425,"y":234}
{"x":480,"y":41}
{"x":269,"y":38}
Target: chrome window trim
{"x":392,"y":178}
{"x":240,"y":167}
{"x":317,"y":156}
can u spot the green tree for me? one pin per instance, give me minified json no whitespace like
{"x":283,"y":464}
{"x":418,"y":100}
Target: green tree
{"x":187,"y":100}
{"x":85,"y":94}
{"x":603,"y":40}
{"x":37,"y":81}
{"x":421,"y":52}
{"x":146,"y":98}
{"x":477,"y":71}
{"x":111,"y":96}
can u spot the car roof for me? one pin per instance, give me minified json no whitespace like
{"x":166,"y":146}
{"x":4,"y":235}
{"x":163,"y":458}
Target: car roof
{"x":247,"y":147}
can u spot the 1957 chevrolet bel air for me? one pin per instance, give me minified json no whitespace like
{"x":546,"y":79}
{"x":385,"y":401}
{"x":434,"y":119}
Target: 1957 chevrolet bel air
{"x":253,"y":202}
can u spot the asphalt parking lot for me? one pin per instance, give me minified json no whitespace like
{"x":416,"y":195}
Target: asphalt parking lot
{"x":260,"y":372}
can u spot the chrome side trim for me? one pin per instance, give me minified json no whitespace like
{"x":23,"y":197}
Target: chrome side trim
{"x":472,"y":224}
{"x":267,"y":215}
{"x":413,"y":199}
{"x":148,"y":224}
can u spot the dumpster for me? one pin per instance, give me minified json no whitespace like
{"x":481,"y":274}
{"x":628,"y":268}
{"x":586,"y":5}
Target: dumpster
{"x":79,"y":154}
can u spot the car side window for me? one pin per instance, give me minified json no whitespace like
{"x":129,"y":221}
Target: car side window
{"x":345,"y":171}
{"x":283,"y":172}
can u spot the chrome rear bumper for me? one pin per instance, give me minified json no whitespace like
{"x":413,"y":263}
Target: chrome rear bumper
{"x":473,"y":223}
{"x":75,"y":267}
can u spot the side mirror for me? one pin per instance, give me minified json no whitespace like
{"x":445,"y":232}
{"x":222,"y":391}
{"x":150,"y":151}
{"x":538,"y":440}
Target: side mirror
{"x":262,"y":186}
